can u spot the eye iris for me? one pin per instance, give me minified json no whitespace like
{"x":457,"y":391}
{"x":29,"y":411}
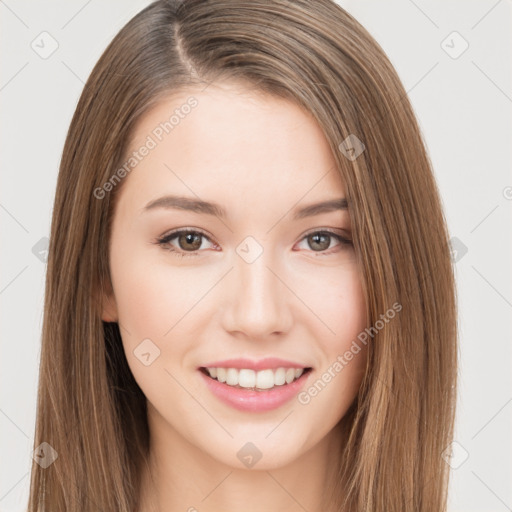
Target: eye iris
{"x":193,"y":238}
{"x":321,"y":246}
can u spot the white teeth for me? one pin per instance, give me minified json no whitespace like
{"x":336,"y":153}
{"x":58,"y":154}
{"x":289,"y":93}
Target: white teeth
{"x":232,"y":376}
{"x":247,"y":378}
{"x":263,"y":379}
{"x":290,"y":375}
{"x":221,"y":374}
{"x":279,"y":377}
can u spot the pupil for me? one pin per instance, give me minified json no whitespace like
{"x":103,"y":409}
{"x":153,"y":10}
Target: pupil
{"x":315,"y":241}
{"x":189,"y":239}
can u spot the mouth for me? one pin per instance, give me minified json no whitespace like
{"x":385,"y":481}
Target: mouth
{"x":255,"y":386}
{"x":255,"y":380}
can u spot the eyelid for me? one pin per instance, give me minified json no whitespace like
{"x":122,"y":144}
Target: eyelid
{"x":174,"y":233}
{"x":333,"y":231}
{"x":185,"y":229}
{"x":209,"y":237}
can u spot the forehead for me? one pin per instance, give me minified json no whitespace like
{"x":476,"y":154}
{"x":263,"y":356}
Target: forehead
{"x":231,"y":140}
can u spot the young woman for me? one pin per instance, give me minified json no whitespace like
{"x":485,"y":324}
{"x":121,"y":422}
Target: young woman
{"x":249,"y":301}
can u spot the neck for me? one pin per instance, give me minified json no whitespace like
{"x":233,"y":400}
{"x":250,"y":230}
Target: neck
{"x":182,"y":477}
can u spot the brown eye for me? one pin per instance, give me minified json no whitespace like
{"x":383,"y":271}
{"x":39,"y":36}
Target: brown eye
{"x":190,"y":241}
{"x":184,"y":242}
{"x":319,"y":241}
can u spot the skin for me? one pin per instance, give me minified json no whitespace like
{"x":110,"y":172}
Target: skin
{"x":260,"y":157}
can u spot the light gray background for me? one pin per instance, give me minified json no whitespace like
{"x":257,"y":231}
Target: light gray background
{"x":464,"y":108}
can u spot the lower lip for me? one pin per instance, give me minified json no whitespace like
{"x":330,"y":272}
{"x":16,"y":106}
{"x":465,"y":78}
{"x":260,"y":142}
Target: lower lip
{"x":255,"y":401}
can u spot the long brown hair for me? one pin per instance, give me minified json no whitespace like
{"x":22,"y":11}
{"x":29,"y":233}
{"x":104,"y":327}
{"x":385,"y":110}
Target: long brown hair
{"x":91,"y":411}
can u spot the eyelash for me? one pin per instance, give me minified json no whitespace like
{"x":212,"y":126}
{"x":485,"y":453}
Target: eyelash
{"x":165,"y":239}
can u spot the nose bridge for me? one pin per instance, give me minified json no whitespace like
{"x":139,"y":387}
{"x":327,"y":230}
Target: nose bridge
{"x":258,"y":301}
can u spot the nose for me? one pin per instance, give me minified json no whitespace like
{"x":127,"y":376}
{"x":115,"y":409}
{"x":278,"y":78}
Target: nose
{"x":257,"y":299}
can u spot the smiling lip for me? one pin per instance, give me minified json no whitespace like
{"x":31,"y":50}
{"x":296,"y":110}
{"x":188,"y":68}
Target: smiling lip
{"x":250,"y":400}
{"x":269,"y":363}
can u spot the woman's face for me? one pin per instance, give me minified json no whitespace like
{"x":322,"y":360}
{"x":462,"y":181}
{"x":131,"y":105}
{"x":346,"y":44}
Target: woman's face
{"x":263,"y":288}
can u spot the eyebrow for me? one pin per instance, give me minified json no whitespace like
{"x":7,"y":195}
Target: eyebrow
{"x":210,"y":208}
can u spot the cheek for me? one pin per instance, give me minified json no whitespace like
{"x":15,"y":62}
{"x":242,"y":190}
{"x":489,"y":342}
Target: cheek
{"x":350,"y":322}
{"x":350,"y":314}
{"x":150,"y":296}
{"x":340,"y":303}
{"x":155,"y":311}
{"x":337,"y":299}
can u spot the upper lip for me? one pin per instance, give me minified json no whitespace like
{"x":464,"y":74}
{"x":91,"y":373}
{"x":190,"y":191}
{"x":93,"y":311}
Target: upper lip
{"x":271,"y":363}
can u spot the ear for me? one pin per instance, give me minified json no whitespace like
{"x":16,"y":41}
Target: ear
{"x":108,"y":305}
{"x":109,"y":309}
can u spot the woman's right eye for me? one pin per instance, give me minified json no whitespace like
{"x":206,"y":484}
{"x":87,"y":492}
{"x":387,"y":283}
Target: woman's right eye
{"x":189,"y":242}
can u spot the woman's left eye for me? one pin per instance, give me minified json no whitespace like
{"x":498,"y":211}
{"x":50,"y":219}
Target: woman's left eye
{"x":321,"y":240}
{"x":190,"y":241}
